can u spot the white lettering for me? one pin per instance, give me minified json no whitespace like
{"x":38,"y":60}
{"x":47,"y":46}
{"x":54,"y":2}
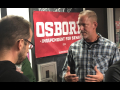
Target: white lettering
{"x":58,"y":31}
{"x":68,"y":38}
{"x":78,"y":28}
{"x":63,"y":28}
{"x":75,"y":37}
{"x":72,"y":28}
{"x":48,"y":28}
{"x":48,"y":40}
{"x":60,"y":28}
{"x":38,"y":34}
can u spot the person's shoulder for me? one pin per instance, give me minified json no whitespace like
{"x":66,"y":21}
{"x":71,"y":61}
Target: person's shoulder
{"x":77,"y":43}
{"x":114,"y":68}
{"x":17,"y":77}
{"x":113,"y":73}
{"x":108,"y":42}
{"x":116,"y":65}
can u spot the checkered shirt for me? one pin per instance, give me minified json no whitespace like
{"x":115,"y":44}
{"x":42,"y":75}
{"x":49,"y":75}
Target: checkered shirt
{"x":103,"y":54}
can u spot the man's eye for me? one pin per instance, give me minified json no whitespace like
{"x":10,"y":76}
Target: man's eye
{"x":84,"y":24}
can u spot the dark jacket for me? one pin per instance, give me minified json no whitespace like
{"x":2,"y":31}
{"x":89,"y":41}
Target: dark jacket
{"x":113,"y":73}
{"x":8,"y":73}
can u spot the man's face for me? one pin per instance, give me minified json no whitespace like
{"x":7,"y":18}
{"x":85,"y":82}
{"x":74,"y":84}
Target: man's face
{"x":86,"y":26}
{"x":23,"y":53}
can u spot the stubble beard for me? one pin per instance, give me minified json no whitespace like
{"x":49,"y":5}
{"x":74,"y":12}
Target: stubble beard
{"x":84,"y":35}
{"x":21,"y":56}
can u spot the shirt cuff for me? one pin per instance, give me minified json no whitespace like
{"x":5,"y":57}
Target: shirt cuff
{"x":63,"y":79}
{"x":103,"y":78}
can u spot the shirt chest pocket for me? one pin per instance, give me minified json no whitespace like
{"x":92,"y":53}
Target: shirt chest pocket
{"x":101,"y":61}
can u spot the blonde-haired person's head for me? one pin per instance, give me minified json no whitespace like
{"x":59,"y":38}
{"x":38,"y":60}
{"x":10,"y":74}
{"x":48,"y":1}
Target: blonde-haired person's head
{"x":90,"y":14}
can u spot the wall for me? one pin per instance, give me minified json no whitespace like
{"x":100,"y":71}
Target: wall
{"x":0,"y":13}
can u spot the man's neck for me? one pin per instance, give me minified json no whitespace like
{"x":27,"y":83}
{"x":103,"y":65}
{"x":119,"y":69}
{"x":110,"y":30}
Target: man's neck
{"x":7,"y":55}
{"x":92,"y":39}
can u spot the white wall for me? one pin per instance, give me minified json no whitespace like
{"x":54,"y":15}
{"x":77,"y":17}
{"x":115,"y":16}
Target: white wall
{"x":19,"y":11}
{"x":110,"y":23}
{"x":24,"y":12}
{"x":0,"y":13}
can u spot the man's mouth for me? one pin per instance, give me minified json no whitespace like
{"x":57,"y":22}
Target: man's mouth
{"x":83,"y":32}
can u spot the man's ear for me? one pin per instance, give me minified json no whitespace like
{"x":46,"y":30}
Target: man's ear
{"x":95,"y":24}
{"x":20,"y":44}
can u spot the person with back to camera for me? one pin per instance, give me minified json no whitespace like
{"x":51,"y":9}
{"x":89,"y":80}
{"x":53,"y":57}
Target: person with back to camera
{"x":88,"y":59}
{"x":15,"y":39}
{"x":113,"y":73}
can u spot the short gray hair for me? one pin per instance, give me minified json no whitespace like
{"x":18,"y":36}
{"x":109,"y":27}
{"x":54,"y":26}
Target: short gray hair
{"x":90,"y":14}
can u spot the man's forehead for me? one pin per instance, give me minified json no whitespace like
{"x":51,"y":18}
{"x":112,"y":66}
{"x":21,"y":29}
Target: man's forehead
{"x":82,"y":18}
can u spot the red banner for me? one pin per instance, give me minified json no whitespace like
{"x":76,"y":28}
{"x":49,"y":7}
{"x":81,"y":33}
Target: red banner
{"x":54,"y":32}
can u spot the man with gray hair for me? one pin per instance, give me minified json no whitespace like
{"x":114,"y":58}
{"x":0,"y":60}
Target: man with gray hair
{"x":88,"y":59}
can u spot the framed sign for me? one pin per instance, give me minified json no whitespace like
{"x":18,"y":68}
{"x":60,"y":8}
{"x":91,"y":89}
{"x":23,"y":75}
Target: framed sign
{"x":54,"y":32}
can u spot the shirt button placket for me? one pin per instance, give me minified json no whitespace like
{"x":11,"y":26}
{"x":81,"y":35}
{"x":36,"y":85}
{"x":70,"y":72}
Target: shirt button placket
{"x":88,"y":63}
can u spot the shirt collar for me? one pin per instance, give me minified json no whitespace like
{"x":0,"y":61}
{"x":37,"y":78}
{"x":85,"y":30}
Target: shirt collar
{"x":7,"y":64}
{"x":100,"y":41}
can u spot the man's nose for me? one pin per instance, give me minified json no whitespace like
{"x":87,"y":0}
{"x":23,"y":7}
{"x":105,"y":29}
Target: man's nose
{"x":81,"y":27}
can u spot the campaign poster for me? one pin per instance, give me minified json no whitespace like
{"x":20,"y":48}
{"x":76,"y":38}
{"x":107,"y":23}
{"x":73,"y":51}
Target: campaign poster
{"x":54,"y":32}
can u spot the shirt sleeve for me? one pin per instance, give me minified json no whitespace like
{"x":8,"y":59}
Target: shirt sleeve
{"x":116,"y":57}
{"x":112,"y":75}
{"x":64,"y":69}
